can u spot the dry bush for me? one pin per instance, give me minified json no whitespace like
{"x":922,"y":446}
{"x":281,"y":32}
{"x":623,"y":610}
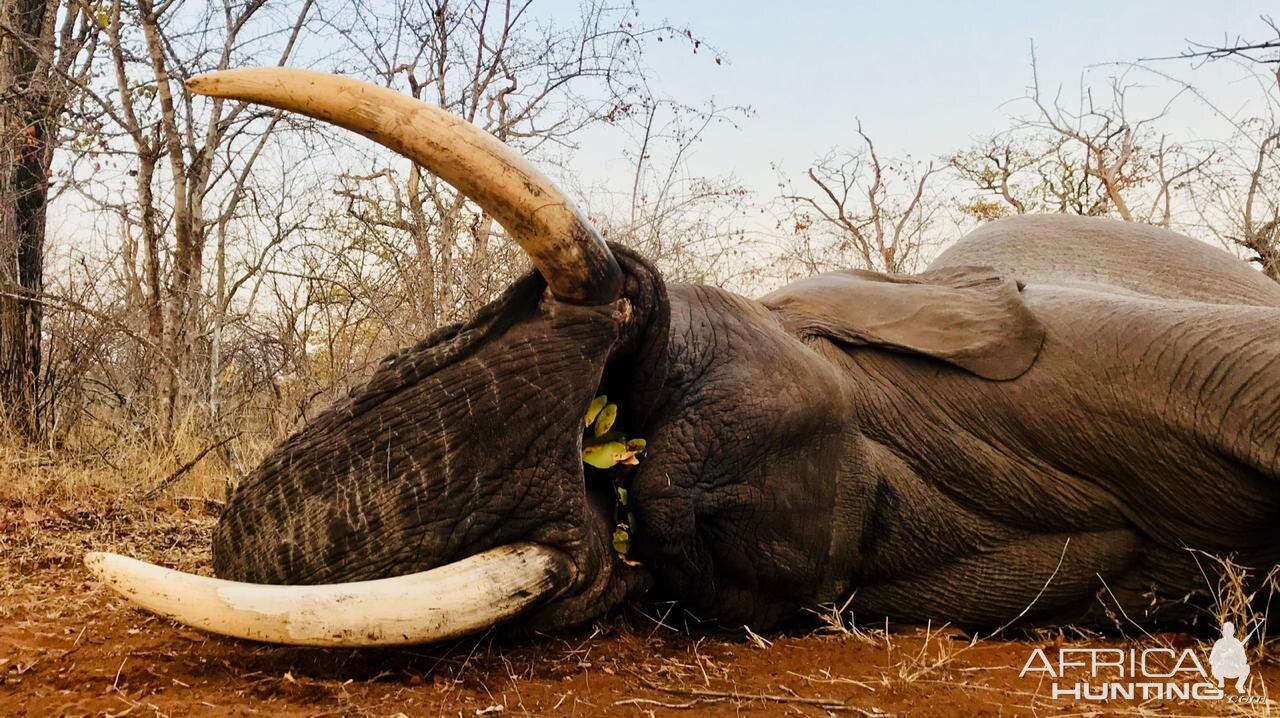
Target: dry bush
{"x":135,"y":467}
{"x":1243,"y":595}
{"x":860,"y":210}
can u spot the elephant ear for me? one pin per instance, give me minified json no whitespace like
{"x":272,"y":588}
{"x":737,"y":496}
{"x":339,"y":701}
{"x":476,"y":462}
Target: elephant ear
{"x":970,"y":317}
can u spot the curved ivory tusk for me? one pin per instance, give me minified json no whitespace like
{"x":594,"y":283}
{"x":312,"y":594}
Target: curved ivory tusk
{"x":445,"y":602}
{"x":563,"y":245}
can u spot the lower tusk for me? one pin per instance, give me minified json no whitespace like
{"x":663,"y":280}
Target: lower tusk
{"x":445,"y":602}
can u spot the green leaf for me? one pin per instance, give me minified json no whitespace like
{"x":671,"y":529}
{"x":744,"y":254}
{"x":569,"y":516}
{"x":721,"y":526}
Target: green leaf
{"x":621,"y":540}
{"x":635,"y":446}
{"x":596,"y":405}
{"x":603,"y":456}
{"x":622,"y":496}
{"x":611,"y":436}
{"x":604,"y":422}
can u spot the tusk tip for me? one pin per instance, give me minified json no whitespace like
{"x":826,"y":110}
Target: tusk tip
{"x":105,"y":566}
{"x":230,"y":83}
{"x":206,"y":84}
{"x":94,"y":561}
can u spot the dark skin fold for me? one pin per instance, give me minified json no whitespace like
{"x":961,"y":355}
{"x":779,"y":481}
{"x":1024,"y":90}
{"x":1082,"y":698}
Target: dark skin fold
{"x":1057,"y":422}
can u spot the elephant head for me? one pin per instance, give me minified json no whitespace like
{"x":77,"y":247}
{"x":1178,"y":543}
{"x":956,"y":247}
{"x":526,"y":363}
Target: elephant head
{"x":461,"y":454}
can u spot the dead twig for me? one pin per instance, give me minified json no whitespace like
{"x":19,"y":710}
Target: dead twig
{"x":168,"y":480}
{"x":651,"y":702}
{"x":208,"y":503}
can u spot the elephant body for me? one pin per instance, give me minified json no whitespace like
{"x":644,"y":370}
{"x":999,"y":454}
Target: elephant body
{"x":1064,"y":420}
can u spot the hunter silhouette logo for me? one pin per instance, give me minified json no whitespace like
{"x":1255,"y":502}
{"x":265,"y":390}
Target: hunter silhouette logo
{"x":1227,"y":659}
{"x":1108,"y":674}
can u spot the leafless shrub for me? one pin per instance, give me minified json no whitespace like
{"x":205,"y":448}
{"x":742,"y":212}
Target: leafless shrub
{"x":1089,"y":157}
{"x":862,"y":211}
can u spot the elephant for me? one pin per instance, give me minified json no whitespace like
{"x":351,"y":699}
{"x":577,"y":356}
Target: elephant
{"x":1061,"y":421}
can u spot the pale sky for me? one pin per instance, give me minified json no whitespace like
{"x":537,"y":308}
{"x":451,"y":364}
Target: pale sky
{"x":924,"y":77}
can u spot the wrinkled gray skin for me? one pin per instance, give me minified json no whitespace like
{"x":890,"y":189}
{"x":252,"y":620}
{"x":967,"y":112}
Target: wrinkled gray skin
{"x":1057,"y":422}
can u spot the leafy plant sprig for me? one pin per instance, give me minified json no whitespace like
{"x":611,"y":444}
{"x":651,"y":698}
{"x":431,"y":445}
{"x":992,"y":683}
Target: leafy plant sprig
{"x":604,"y":448}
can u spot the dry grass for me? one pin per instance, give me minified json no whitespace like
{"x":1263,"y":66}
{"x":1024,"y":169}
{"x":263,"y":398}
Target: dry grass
{"x":932,"y":656}
{"x":836,"y":619}
{"x":1245,"y":599}
{"x":96,"y":464}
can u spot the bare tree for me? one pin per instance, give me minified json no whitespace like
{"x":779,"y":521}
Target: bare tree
{"x":996,"y":169}
{"x":191,"y":164}
{"x":1258,"y":227}
{"x":44,"y":50}
{"x":856,"y":215}
{"x":1239,"y":202}
{"x":1264,"y":52}
{"x":1096,"y":159}
{"x":1126,"y":157}
{"x":1021,"y":172}
{"x":1017,"y":172}
{"x":1260,"y":216}
{"x":690,"y":225}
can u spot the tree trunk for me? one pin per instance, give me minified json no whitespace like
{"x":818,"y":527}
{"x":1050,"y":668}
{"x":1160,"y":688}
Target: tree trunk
{"x":28,"y":127}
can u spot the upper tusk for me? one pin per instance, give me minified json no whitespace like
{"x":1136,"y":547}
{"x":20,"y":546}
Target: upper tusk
{"x":445,"y":602}
{"x":564,"y":246}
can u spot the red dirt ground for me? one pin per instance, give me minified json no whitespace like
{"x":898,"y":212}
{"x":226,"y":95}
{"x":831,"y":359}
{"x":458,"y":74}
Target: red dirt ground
{"x":69,"y":647}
